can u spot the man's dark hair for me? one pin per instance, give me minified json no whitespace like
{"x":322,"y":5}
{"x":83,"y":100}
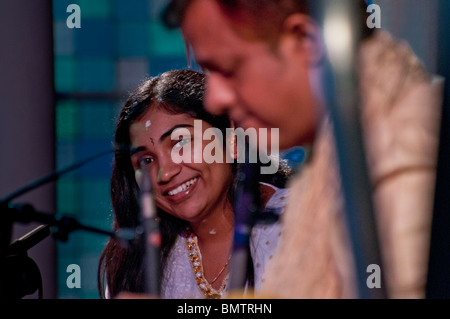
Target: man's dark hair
{"x":266,"y":12}
{"x":174,"y":13}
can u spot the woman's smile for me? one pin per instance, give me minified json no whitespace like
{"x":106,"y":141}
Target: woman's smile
{"x":180,"y":192}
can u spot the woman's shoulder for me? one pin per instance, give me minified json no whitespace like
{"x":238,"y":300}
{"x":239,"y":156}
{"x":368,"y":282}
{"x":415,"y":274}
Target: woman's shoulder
{"x":178,"y":280}
{"x":177,"y":254}
{"x":273,"y":197}
{"x":265,"y":234}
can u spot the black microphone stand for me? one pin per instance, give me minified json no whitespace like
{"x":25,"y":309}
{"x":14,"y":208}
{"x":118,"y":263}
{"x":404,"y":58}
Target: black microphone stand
{"x":246,"y":208}
{"x":342,"y":100}
{"x":150,"y":231}
{"x":247,"y":212}
{"x":25,"y":213}
{"x":14,"y":256}
{"x":24,"y":277}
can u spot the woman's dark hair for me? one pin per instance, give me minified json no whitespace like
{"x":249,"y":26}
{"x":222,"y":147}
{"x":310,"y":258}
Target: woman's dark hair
{"x":177,"y":92}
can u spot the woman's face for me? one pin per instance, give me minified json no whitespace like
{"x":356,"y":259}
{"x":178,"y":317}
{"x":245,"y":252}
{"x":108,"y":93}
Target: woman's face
{"x":189,"y":191}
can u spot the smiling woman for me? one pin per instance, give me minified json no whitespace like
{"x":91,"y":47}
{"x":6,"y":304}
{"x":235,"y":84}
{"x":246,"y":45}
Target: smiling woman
{"x":190,"y":190}
{"x":194,"y":198}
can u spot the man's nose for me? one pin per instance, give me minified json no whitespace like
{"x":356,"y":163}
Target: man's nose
{"x":219,"y":96}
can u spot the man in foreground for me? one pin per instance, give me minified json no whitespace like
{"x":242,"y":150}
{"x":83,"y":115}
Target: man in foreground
{"x":265,"y":67}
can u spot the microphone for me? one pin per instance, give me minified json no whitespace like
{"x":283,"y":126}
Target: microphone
{"x":340,"y":82}
{"x":26,"y":213}
{"x":10,"y":213}
{"x":152,"y":236}
{"x":24,"y":277}
{"x":246,"y":207}
{"x":29,"y":240}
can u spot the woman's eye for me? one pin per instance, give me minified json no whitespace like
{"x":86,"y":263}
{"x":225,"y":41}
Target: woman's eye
{"x":146,"y":161}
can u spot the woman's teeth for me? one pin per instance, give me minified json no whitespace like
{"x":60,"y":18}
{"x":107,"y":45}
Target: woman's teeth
{"x":182,"y":187}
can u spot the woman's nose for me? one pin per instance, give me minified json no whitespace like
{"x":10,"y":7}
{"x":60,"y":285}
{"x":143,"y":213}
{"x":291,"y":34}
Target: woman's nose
{"x":167,"y":170}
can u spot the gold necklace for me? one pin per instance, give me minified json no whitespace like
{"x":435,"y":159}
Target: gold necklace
{"x":220,"y":272}
{"x":196,"y":264}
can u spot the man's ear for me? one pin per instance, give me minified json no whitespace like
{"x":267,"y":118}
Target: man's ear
{"x":303,"y":35}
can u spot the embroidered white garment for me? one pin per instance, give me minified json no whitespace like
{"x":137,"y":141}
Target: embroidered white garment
{"x":264,"y":240}
{"x":178,"y":280}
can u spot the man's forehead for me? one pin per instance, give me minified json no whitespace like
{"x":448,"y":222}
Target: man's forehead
{"x":208,"y":24}
{"x":205,"y":29}
{"x":203,"y":20}
{"x":213,"y":34}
